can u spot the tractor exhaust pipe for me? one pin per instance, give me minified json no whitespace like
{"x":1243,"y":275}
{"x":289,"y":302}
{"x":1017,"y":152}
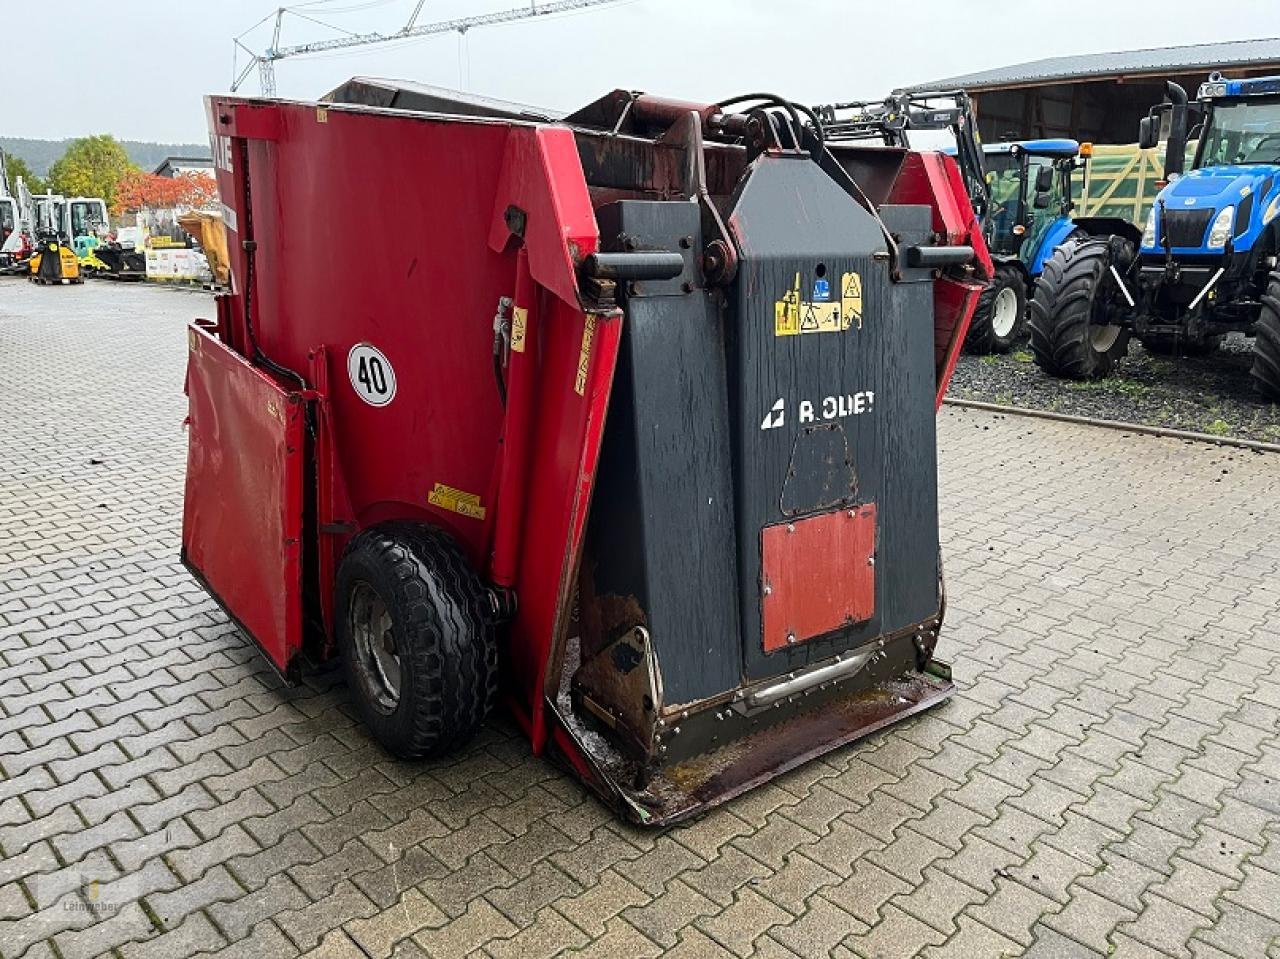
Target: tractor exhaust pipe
{"x":1176,"y":147}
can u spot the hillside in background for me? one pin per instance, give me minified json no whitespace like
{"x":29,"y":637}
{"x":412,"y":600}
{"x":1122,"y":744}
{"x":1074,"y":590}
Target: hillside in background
{"x":41,"y":154}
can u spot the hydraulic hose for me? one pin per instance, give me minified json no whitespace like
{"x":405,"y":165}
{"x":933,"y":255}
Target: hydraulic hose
{"x":793,"y":109}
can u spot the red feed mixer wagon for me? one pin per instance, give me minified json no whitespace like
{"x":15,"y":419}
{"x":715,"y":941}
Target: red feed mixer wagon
{"x":626,"y":418}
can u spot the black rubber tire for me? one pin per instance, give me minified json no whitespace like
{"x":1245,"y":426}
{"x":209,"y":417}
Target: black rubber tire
{"x":1266,"y":343}
{"x":982,"y":337}
{"x":1165,"y":345}
{"x":443,"y":631}
{"x":1064,"y":303}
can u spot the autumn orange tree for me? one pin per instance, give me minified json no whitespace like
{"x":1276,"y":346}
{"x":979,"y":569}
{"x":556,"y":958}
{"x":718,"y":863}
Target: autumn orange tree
{"x":137,"y":190}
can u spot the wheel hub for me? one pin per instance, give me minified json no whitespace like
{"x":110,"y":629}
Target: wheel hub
{"x":377,"y":662}
{"x":1004,"y":312}
{"x":1103,"y":337}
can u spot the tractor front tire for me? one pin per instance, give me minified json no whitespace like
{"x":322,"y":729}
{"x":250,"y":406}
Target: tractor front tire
{"x":415,"y":629}
{"x":999,"y":320}
{"x":1266,"y":342}
{"x":1073,"y":290}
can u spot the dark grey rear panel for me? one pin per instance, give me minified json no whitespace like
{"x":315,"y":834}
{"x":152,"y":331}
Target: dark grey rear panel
{"x":829,"y":418}
{"x":725,"y":420}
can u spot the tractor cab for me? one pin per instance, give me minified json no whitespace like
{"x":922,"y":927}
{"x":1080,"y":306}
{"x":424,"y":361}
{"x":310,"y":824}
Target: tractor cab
{"x":1027,"y":214}
{"x":1030,"y":185}
{"x":1220,"y":212}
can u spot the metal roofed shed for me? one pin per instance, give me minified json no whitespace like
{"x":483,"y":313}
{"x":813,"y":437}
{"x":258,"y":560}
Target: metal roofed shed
{"x":173,"y":166}
{"x":1099,"y":96}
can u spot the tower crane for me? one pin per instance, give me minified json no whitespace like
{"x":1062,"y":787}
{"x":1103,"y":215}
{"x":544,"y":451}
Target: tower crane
{"x":266,"y":60}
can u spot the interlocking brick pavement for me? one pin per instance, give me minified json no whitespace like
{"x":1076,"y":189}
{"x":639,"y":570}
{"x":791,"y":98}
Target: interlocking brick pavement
{"x":1107,"y":780}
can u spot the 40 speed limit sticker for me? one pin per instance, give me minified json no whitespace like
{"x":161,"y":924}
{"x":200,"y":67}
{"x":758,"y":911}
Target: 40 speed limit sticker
{"x":371,"y":374}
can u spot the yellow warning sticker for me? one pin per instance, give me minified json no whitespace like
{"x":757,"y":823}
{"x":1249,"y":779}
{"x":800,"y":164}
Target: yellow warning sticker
{"x":584,"y":356}
{"x":463,"y":503}
{"x":793,"y":315}
{"x":519,"y":324}
{"x":322,"y":115}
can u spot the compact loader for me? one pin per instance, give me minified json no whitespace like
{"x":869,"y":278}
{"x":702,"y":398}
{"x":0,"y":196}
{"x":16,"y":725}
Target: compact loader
{"x":635,"y":436}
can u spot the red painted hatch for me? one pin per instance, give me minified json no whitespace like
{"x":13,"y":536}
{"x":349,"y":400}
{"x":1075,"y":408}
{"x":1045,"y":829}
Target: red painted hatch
{"x":819,"y":575}
{"x":242,"y":517}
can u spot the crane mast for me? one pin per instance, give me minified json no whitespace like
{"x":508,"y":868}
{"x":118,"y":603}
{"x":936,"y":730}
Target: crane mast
{"x":266,"y":60}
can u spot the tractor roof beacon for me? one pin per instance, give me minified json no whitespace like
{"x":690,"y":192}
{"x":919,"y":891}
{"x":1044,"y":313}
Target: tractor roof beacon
{"x":649,"y":410}
{"x":1206,"y":262}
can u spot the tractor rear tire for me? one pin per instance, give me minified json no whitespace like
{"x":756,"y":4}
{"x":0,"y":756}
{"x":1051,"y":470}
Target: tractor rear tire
{"x":1165,"y":345}
{"x":415,"y":628}
{"x":1266,"y":343}
{"x":999,"y":320}
{"x":1075,"y":284}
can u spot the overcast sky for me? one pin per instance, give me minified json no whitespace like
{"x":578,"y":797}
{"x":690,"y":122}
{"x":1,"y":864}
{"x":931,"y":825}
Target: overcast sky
{"x":138,"y":69}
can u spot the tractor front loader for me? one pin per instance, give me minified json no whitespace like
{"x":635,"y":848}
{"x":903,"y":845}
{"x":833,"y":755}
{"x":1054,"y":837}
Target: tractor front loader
{"x":636,"y":435}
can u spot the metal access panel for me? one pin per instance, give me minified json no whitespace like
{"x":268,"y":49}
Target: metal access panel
{"x":819,"y":575}
{"x":243,"y":514}
{"x":831,"y":385}
{"x":661,"y":544}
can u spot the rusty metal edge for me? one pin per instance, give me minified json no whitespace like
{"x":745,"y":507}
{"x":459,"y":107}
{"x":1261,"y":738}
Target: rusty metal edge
{"x":946,"y":691}
{"x":1257,"y":445}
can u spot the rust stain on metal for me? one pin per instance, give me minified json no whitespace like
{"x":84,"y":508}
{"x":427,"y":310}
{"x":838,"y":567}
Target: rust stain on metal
{"x":712,"y":778}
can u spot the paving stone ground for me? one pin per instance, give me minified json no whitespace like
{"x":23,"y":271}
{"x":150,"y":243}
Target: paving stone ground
{"x":1107,"y":781}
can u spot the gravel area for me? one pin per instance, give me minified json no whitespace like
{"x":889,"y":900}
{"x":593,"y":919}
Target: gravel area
{"x":1208,"y":394}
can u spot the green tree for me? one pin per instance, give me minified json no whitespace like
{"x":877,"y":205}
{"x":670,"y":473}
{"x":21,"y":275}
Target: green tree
{"x":17,"y":167}
{"x":92,"y":166}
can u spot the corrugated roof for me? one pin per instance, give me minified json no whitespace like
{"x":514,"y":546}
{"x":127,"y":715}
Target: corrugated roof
{"x":1157,"y":60}
{"x":201,"y":162}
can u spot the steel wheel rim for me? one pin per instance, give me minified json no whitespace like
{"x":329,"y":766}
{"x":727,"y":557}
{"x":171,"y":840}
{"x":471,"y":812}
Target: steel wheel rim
{"x":377,"y":658}
{"x":1004,"y":312}
{"x":1103,"y":338}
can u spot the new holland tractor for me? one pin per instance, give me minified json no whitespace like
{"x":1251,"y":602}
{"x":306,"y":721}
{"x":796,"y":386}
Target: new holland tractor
{"x":1021,"y":192}
{"x":1206,"y":263}
{"x":1029,"y":214}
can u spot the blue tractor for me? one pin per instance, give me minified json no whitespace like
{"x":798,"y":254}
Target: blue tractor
{"x":1028,"y":215}
{"x":1205,"y":265}
{"x":1020,"y":192}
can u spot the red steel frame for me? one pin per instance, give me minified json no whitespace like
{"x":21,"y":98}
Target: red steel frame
{"x":934,"y":180}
